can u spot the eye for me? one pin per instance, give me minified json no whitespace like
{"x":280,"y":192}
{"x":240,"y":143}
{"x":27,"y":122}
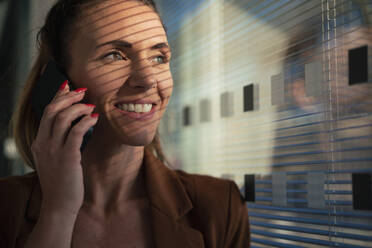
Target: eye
{"x":160,"y":59}
{"x":114,"y":56}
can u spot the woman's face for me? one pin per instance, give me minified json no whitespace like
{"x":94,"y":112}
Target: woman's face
{"x":120,"y":52}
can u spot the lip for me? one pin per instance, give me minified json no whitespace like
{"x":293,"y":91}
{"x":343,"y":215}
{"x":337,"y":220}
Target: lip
{"x":138,"y":101}
{"x":139,"y":116}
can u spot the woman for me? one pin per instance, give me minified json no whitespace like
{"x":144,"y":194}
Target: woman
{"x":117,"y":192}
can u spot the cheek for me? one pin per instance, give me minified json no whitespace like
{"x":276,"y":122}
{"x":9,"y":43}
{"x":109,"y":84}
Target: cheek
{"x":104,"y":82}
{"x":165,"y":85}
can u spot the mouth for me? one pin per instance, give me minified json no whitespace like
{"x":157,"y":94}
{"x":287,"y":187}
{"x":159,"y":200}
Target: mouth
{"x":137,"y":109}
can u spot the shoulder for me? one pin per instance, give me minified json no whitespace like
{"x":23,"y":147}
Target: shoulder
{"x":211,"y":196}
{"x":203,"y":188}
{"x":23,"y":179}
{"x":14,"y":194}
{"x":208,"y":187}
{"x":14,"y":186}
{"x":219,"y":205}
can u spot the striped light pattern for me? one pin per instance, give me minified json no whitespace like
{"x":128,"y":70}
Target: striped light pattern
{"x":309,"y":131}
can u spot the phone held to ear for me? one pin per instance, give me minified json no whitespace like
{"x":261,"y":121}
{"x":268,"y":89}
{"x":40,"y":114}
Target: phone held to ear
{"x":46,"y":88}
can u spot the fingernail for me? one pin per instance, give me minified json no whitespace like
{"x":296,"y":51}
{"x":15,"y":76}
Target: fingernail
{"x":94,"y":115}
{"x":63,"y":85}
{"x":80,"y":90}
{"x":90,"y":105}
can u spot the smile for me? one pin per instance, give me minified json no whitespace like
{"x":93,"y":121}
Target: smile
{"x":138,"y":108}
{"x":137,"y":111}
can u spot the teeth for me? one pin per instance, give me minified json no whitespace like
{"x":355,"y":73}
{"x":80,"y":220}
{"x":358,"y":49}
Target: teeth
{"x":147,"y":108}
{"x":138,"y":108}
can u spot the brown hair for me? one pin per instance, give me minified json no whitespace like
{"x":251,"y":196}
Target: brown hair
{"x":59,"y":21}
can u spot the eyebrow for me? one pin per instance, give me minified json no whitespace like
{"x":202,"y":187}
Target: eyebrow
{"x":125,"y":44}
{"x":159,"y":46}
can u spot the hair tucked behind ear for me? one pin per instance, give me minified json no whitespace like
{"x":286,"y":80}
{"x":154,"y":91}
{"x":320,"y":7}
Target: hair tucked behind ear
{"x":52,"y":45}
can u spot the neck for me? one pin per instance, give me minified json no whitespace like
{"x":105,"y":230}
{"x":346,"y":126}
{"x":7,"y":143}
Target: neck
{"x":113,"y":174}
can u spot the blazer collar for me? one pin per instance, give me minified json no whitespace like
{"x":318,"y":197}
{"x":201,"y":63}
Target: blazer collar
{"x":168,"y":199}
{"x":169,"y":202}
{"x":164,"y":189}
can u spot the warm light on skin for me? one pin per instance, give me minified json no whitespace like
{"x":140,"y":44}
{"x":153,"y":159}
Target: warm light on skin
{"x":114,"y":71}
{"x":114,"y":53}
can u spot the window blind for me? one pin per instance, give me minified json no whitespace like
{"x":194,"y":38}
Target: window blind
{"x":306,"y":137}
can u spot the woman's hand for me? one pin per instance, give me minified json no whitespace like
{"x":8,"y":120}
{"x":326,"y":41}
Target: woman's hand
{"x":56,"y":150}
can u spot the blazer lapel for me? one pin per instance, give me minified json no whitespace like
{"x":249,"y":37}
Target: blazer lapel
{"x":169,"y":233}
{"x":169,"y":203}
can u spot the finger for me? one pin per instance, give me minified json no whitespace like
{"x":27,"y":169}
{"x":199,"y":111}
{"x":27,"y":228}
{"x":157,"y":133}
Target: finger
{"x":64,"y":88}
{"x":76,"y":134}
{"x":64,"y":101}
{"x":64,"y":119}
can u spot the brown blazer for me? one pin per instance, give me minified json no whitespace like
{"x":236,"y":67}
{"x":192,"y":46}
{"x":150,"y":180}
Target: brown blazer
{"x":187,"y":210}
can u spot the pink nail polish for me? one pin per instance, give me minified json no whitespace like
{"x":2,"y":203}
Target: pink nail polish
{"x":63,"y":85}
{"x":80,"y":90}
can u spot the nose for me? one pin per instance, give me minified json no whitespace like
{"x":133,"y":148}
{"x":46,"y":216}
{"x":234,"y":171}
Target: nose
{"x":143,"y":75}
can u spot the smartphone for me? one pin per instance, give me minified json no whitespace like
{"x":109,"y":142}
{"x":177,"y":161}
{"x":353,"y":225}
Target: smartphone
{"x":46,"y":88}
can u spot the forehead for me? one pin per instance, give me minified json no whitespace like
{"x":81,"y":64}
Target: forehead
{"x":127,"y":20}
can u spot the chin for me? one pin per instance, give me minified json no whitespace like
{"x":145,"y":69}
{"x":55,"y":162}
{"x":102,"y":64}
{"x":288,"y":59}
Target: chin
{"x":138,"y":140}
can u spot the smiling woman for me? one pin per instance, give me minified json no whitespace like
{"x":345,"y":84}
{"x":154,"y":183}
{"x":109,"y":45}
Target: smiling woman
{"x":117,"y":190}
